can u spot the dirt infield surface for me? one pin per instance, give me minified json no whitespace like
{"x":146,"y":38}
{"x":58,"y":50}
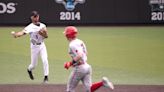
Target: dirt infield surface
{"x":61,"y":88}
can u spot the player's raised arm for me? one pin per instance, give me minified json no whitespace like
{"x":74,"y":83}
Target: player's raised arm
{"x":18,"y":34}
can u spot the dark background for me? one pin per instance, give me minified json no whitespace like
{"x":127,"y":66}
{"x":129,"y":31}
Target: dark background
{"x":93,"y":12}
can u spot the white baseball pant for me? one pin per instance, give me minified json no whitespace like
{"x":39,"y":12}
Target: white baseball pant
{"x":41,"y":50}
{"x":80,"y":73}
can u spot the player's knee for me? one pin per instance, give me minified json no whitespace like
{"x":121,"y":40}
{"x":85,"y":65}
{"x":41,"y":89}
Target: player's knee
{"x":45,"y":61}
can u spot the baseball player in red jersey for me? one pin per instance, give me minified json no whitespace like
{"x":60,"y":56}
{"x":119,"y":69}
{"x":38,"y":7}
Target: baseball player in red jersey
{"x":81,"y":69}
{"x":38,"y":32}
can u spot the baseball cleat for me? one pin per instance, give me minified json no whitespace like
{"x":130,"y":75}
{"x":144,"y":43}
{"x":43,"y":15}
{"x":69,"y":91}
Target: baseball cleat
{"x":107,"y":83}
{"x":45,"y":79}
{"x":30,"y":74}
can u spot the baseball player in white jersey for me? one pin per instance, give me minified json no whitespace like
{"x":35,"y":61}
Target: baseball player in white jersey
{"x":81,"y":69}
{"x":38,"y":33}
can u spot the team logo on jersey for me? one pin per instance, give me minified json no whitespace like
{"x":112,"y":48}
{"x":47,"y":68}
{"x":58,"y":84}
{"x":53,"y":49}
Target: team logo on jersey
{"x":70,"y":4}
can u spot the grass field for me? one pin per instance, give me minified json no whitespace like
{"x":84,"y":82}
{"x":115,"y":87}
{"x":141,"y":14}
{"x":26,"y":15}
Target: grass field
{"x":127,"y":55}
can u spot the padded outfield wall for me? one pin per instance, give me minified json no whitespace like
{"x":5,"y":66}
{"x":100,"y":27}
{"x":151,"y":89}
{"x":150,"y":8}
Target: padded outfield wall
{"x":83,"y":12}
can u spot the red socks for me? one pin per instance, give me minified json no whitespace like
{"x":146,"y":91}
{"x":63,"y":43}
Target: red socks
{"x":95,"y":86}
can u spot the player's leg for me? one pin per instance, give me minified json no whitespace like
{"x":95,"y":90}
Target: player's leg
{"x":44,"y":57}
{"x":87,"y":81}
{"x":34,"y":61}
{"x":34,"y":58}
{"x":105,"y":82}
{"x":96,"y":86}
{"x":73,"y":81}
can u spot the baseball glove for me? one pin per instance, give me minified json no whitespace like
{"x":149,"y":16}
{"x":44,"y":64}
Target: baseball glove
{"x":43,"y":33}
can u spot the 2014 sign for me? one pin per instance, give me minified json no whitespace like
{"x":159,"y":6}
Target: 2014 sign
{"x":157,"y":16}
{"x":70,"y":16}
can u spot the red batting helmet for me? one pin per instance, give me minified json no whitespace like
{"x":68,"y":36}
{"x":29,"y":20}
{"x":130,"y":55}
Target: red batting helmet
{"x":70,"y":32}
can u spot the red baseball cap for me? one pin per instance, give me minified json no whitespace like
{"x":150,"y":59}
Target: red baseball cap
{"x":70,"y":32}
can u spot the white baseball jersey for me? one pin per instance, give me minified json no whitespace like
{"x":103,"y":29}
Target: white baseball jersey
{"x":76,"y":46}
{"x":33,"y":30}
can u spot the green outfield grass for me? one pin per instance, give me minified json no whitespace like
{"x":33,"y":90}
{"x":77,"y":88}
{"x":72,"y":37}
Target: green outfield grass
{"x":127,"y":55}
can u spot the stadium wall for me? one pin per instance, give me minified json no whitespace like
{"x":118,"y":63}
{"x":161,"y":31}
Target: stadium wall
{"x":83,"y":12}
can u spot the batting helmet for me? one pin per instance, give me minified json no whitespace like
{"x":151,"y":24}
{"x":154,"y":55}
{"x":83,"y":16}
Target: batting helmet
{"x":70,"y":32}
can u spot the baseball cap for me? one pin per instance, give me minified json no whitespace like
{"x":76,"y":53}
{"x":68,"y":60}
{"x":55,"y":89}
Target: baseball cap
{"x":34,"y":13}
{"x":70,"y":32}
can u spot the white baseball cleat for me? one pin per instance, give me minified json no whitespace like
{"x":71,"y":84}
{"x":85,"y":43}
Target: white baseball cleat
{"x":107,"y":83}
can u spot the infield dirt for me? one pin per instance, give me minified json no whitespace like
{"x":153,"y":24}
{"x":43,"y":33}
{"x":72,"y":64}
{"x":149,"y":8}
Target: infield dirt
{"x":80,"y":88}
